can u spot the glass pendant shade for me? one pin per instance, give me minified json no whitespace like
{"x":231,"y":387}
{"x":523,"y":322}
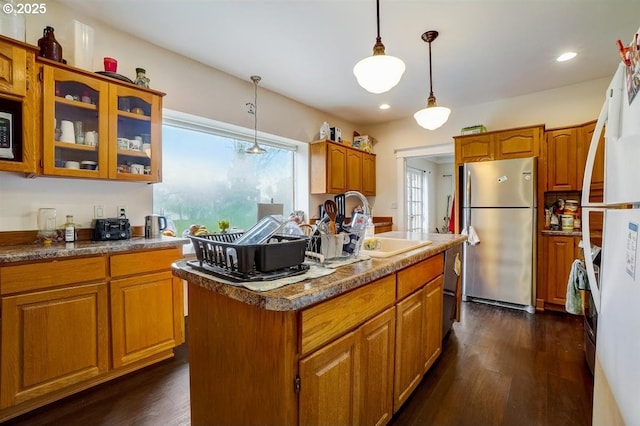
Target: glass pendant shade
{"x":379,"y":73}
{"x":432,"y":117}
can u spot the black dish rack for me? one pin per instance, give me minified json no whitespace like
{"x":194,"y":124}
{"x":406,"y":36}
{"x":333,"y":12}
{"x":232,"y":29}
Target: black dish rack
{"x":217,"y":254}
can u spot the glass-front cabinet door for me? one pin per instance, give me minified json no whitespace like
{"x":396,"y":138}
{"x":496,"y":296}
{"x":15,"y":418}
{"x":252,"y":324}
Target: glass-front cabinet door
{"x":137,"y":136}
{"x":75,"y":124}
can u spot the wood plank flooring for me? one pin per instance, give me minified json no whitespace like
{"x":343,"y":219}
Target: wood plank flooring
{"x":498,"y":367}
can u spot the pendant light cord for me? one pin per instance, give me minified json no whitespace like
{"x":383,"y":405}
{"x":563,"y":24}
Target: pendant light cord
{"x":255,"y":110}
{"x":430,"y":73}
{"x":378,"y":38}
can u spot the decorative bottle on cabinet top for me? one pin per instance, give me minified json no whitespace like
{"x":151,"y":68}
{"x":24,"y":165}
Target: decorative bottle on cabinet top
{"x":141,"y":79}
{"x":49,"y":46}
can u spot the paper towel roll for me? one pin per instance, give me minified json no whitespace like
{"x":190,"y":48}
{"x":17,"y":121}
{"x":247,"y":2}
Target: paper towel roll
{"x":82,"y":45}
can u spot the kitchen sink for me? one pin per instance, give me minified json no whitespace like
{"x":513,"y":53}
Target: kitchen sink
{"x":387,"y":247}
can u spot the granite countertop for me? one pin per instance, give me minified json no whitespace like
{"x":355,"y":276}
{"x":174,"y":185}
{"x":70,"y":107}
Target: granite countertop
{"x":305,"y":293}
{"x":27,"y":252}
{"x":574,"y":233}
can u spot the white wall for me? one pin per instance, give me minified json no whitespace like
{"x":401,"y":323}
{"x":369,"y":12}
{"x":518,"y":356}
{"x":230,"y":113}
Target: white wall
{"x":555,"y":108}
{"x":191,"y":87}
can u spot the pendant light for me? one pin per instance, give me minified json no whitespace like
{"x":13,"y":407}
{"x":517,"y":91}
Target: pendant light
{"x":432,"y":116}
{"x":255,"y":149}
{"x":379,"y":73}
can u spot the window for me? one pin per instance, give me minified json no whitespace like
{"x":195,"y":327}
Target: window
{"x":207,"y":176}
{"x":415,"y":197}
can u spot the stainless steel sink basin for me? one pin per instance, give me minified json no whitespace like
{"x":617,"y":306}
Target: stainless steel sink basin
{"x":387,"y":247}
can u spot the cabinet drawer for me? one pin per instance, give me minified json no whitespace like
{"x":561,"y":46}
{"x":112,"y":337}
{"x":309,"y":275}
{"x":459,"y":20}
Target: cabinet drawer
{"x":39,"y":275}
{"x":415,"y":276}
{"x":334,"y":317}
{"x":143,"y":262}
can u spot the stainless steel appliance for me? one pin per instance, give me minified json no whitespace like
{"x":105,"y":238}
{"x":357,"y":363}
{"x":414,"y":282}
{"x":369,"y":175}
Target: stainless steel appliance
{"x":499,"y":204}
{"x":449,"y":301}
{"x":154,"y":225}
{"x":117,"y":228}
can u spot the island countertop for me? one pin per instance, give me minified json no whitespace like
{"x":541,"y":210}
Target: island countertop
{"x":305,"y":293}
{"x":32,"y":252}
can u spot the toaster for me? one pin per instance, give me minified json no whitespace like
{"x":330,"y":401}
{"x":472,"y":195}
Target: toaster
{"x":116,"y":228}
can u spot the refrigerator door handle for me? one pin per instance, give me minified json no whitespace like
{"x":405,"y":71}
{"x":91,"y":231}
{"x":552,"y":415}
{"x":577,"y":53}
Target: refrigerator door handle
{"x":591,"y":157}
{"x":588,"y":259}
{"x":467,"y":201}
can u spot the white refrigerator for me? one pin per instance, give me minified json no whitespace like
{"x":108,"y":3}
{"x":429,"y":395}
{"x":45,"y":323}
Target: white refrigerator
{"x":617,"y":292}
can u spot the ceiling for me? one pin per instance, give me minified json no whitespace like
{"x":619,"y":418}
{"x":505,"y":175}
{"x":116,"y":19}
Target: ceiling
{"x":306,"y":49}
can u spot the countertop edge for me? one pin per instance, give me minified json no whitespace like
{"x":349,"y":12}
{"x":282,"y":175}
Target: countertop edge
{"x":306,"y":293}
{"x":35,"y":252}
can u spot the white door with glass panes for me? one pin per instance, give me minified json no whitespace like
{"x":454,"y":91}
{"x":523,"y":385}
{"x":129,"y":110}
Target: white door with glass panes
{"x":416,"y":195}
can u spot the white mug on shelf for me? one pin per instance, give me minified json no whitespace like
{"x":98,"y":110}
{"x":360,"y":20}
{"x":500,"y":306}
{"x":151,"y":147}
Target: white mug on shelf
{"x":137,"y":169}
{"x":90,"y":138}
{"x":135,"y":144}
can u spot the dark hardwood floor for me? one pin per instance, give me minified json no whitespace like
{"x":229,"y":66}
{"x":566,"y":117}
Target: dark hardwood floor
{"x":498,"y":367}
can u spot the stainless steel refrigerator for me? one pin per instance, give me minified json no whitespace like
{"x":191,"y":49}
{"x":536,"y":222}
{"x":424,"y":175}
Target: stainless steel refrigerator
{"x":499,"y":204}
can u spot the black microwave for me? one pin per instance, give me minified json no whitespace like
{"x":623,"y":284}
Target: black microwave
{"x":6,"y":135}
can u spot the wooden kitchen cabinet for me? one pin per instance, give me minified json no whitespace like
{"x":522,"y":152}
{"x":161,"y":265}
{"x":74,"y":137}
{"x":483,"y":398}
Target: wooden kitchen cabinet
{"x":566,"y":153}
{"x":418,"y":324}
{"x":432,"y":338}
{"x":561,"y":252}
{"x":585,"y":133}
{"x":113,"y":113}
{"x":368,"y":174}
{"x":499,"y":145}
{"x":350,"y":381}
{"x":60,"y":112}
{"x":562,"y":155}
{"x":336,"y":168}
{"x":354,"y":170}
{"x":18,"y":153}
{"x":377,"y":338}
{"x":410,"y":315}
{"x":54,"y":327}
{"x":123,"y":101}
{"x":142,"y":283}
{"x":331,"y":391}
{"x":70,"y":323}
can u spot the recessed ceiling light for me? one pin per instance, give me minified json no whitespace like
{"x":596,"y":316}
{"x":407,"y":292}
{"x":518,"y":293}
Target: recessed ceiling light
{"x":384,"y":106}
{"x":566,"y":56}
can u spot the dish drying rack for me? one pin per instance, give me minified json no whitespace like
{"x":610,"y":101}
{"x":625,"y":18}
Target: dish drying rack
{"x":219,"y":255}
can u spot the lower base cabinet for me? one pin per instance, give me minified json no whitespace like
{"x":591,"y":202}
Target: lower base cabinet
{"x":52,"y":339}
{"x":350,"y":381}
{"x":560,"y":252}
{"x":67,"y":324}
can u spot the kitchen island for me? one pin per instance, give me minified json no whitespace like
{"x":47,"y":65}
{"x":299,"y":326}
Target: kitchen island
{"x":347,"y":348}
{"x":74,"y":315}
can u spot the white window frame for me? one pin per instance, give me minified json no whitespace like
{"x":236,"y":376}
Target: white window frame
{"x":416,"y":200}
{"x":300,"y":149}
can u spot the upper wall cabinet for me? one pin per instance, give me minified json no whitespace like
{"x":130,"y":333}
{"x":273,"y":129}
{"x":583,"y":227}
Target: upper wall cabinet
{"x":566,"y":152}
{"x":336,"y":168}
{"x":97,"y":127}
{"x":499,"y":145}
{"x":18,"y":98}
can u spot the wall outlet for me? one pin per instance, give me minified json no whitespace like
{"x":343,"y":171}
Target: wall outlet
{"x":98,"y":211}
{"x":121,"y":211}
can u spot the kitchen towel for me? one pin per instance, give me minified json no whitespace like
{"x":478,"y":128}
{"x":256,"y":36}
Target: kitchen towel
{"x":472,"y":236}
{"x":578,"y":280}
